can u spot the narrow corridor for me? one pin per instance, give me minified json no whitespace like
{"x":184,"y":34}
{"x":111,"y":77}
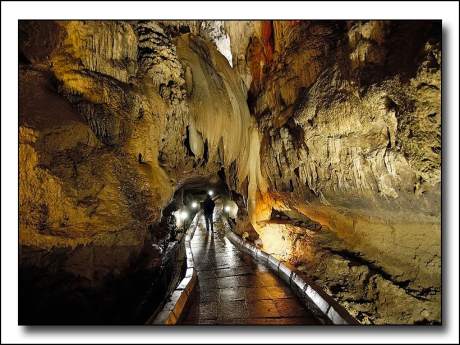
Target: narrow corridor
{"x":234,"y":289}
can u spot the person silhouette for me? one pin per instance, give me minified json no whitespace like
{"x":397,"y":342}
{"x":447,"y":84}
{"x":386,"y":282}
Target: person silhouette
{"x":208,"y":208}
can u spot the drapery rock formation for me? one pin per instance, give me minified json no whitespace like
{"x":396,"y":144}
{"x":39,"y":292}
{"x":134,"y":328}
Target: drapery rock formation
{"x":330,"y":133}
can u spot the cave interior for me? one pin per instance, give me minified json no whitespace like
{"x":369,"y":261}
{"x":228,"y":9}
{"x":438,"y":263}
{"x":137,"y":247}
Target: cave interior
{"x":320,"y":142}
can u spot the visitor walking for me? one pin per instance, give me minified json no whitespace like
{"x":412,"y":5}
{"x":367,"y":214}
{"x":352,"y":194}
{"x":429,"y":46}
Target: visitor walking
{"x":208,"y":208}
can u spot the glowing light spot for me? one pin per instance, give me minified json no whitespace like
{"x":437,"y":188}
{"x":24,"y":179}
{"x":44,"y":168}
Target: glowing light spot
{"x":210,"y":192}
{"x":194,"y":204}
{"x":227,"y":208}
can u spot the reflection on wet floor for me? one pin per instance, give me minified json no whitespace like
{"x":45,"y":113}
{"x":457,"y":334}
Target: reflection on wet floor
{"x":234,"y":289}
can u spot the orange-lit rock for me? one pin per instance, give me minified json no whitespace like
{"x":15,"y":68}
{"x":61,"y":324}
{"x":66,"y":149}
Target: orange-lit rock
{"x":349,"y":114}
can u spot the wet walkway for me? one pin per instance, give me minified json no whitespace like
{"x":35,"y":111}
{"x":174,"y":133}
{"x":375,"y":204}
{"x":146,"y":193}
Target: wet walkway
{"x":234,"y":289}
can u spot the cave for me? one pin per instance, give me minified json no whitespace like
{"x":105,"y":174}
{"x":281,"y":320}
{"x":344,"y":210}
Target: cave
{"x":317,"y":142}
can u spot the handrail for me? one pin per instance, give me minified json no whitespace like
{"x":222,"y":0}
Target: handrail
{"x":326,"y":308}
{"x":178,"y":298}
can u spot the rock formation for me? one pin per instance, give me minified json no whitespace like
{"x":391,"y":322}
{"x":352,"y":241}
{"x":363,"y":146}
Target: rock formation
{"x":329,"y":132}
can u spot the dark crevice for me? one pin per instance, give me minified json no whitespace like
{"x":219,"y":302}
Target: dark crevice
{"x":23,"y":60}
{"x":187,"y":143}
{"x":221,"y":174}
{"x":295,"y":220}
{"x":296,"y":172}
{"x":206,"y":153}
{"x":296,"y":132}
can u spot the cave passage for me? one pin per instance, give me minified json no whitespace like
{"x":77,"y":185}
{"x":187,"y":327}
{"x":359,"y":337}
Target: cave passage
{"x":234,"y":289}
{"x":319,"y":140}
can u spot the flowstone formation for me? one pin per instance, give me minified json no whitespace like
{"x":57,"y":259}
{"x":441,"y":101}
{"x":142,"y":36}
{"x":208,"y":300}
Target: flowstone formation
{"x":327,"y":133}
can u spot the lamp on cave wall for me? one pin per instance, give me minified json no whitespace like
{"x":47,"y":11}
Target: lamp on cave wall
{"x":194,"y":204}
{"x":210,"y":192}
{"x":230,"y":208}
{"x":180,"y":215}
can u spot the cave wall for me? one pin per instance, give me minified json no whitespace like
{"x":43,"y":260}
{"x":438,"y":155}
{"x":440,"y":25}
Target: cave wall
{"x":350,"y":119}
{"x":114,"y":117}
{"x":334,"y":122}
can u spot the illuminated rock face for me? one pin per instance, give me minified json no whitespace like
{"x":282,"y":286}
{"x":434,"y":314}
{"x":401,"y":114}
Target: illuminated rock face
{"x":114,"y":117}
{"x":349,"y":115}
{"x":337,"y":124}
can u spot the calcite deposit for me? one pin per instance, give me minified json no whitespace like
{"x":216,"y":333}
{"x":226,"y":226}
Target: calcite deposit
{"x":328,"y":134}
